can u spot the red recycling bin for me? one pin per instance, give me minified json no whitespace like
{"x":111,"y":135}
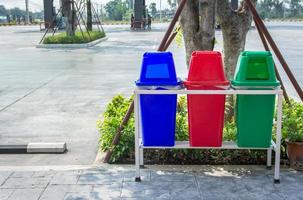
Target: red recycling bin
{"x":206,"y":112}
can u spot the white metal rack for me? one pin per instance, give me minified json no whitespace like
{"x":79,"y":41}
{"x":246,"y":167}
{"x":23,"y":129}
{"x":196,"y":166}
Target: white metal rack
{"x":276,"y":145}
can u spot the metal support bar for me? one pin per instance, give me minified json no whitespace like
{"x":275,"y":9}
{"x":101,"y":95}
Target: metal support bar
{"x":141,"y":157}
{"x":137,"y":150}
{"x":185,"y":144}
{"x":278,"y":140}
{"x":269,"y":157}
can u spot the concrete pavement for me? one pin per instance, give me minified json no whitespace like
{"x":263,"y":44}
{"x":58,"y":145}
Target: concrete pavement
{"x":58,"y":95}
{"x":159,"y":182}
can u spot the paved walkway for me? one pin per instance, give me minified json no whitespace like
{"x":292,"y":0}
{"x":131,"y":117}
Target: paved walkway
{"x":159,"y":182}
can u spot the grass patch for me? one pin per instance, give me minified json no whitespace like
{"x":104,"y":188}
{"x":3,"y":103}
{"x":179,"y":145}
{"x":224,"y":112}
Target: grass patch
{"x":61,"y":38}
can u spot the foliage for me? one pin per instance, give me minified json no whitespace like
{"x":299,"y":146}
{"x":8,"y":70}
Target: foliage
{"x":112,"y":117}
{"x":127,"y":15}
{"x":61,"y":38}
{"x":3,"y":11}
{"x":179,"y":36}
{"x":295,"y":7}
{"x":14,"y":12}
{"x":153,"y":9}
{"x":124,"y":151}
{"x":280,"y":8}
{"x":172,"y":3}
{"x":271,"y":8}
{"x":116,"y":9}
{"x":292,"y":128}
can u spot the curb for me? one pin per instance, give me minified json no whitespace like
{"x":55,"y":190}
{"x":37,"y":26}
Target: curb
{"x":71,"y":46}
{"x":31,"y":148}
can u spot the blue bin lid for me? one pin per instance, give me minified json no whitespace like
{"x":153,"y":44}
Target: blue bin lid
{"x":158,"y":68}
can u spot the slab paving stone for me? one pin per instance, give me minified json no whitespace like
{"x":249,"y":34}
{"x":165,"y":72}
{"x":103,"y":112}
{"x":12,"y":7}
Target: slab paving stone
{"x":59,"y":192}
{"x":4,"y":176}
{"x":15,"y":183}
{"x":171,"y":176}
{"x":184,"y":191}
{"x":146,"y":189}
{"x":26,"y":194}
{"x":291,"y":185}
{"x":106,"y":192}
{"x":22,"y":174}
{"x":148,"y":198}
{"x":77,"y":196}
{"x":50,"y":173}
{"x":93,"y":178}
{"x":66,"y":177}
{"x":6,"y":193}
{"x":129,"y":176}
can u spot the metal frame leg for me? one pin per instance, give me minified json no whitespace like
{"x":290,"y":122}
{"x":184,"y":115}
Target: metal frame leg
{"x":278,"y":140}
{"x":141,"y":151}
{"x":269,"y":157}
{"x":137,"y":148}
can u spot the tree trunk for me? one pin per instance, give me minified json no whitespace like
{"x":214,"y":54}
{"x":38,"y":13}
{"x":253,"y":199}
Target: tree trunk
{"x":69,"y":15}
{"x":198,"y":25}
{"x":234,"y":25}
{"x":89,"y":15}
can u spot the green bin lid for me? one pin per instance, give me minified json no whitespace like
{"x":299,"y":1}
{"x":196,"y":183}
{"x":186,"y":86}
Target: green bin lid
{"x":255,"y":68}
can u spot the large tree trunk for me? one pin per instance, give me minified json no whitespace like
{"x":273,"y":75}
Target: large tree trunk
{"x":69,"y":15}
{"x":234,"y":25}
{"x":89,"y":15}
{"x":198,"y":25}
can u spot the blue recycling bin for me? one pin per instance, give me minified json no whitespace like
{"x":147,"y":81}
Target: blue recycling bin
{"x":158,"y":112}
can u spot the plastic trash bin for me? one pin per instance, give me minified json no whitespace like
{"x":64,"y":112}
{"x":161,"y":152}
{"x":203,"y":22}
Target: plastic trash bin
{"x":206,"y":112}
{"x":158,"y":112}
{"x":254,"y":113}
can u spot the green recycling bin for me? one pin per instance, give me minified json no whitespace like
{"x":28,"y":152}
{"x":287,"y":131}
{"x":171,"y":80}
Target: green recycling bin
{"x":254,"y":113}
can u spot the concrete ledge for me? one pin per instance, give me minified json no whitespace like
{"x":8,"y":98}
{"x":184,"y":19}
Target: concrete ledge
{"x":46,"y":147}
{"x":34,"y":148}
{"x":71,"y":46}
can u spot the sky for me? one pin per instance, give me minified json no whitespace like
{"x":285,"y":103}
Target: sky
{"x":37,"y":5}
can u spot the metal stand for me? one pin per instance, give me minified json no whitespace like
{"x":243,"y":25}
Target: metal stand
{"x":276,"y":145}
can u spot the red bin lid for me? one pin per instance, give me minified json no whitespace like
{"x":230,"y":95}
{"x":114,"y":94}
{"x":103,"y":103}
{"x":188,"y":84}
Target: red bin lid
{"x":206,"y":68}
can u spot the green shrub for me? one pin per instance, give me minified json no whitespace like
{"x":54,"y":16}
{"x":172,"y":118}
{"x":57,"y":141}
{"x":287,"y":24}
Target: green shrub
{"x":61,"y":38}
{"x":124,"y":151}
{"x":113,"y":116}
{"x":292,"y":128}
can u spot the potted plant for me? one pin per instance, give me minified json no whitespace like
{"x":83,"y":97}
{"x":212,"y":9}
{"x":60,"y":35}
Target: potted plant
{"x":292,"y":130}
